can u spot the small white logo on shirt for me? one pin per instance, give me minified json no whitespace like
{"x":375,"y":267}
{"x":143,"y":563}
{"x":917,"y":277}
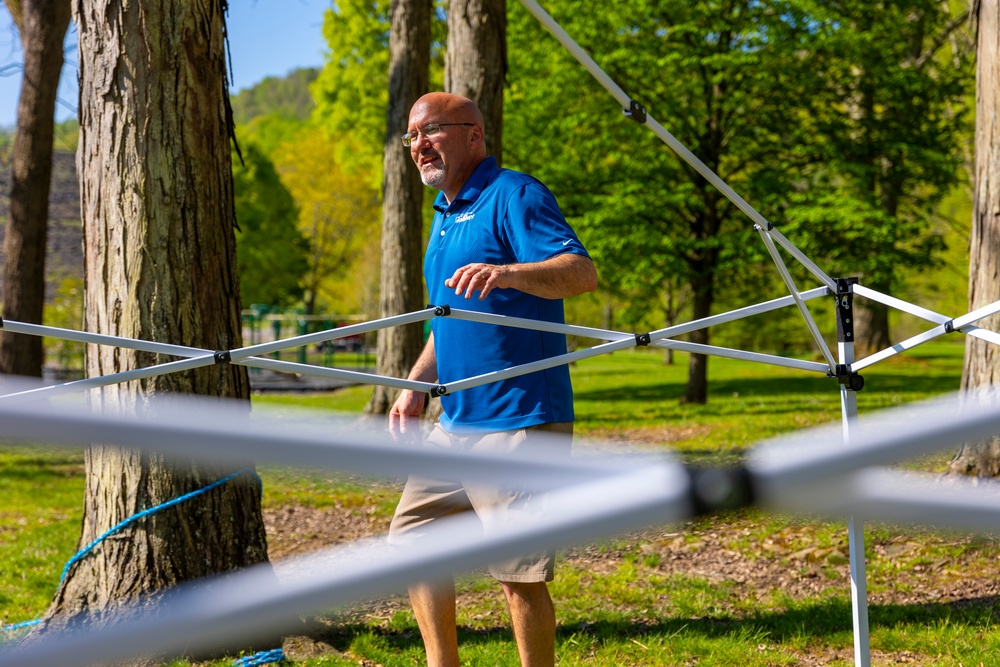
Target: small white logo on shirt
{"x":567,"y":241}
{"x":465,"y":217}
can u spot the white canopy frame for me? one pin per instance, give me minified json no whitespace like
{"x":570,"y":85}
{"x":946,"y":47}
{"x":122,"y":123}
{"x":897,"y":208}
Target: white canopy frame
{"x":895,"y":497}
{"x":586,"y":498}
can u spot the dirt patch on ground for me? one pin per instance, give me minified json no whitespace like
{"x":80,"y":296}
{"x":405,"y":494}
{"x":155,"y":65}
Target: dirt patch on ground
{"x":785,"y":560}
{"x":658,"y":435}
{"x":732,"y":549}
{"x":295,"y":529}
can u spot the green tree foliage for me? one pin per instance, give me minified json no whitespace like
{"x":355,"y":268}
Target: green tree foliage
{"x":352,"y":90}
{"x":890,"y":121}
{"x":270,"y":132}
{"x":726,"y":78}
{"x":771,"y":96}
{"x":271,"y":112}
{"x":272,"y":255}
{"x":338,"y":210}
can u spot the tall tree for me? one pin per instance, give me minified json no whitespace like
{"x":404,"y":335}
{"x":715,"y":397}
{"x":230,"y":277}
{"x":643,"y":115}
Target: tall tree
{"x":401,"y":282}
{"x":356,"y":77}
{"x":981,"y":369}
{"x":890,"y":113}
{"x":42,"y":25}
{"x":768,"y":95}
{"x":338,"y":211}
{"x":726,"y":78}
{"x":476,"y":61}
{"x":157,"y":196}
{"x":272,"y":253}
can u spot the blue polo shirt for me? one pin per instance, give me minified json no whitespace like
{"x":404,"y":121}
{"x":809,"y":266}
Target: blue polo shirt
{"x":499,"y":217}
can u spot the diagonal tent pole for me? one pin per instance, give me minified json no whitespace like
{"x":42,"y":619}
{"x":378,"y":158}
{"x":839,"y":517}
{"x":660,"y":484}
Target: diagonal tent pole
{"x":802,"y":259}
{"x":223,"y":431}
{"x":800,"y":304}
{"x":331,"y":334}
{"x":246,"y":605}
{"x":804,"y":459}
{"x":661,"y":338}
{"x":107,"y":380}
{"x":197,"y":358}
{"x":638,"y":113}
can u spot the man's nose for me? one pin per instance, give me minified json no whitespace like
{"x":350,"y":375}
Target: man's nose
{"x":421,"y":140}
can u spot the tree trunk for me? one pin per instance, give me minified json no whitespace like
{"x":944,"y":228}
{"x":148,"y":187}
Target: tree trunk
{"x":703,"y":286}
{"x":871,"y":324}
{"x":476,"y":67}
{"x":401,"y":285}
{"x":981,"y":370}
{"x":476,"y":62}
{"x":42,"y":25}
{"x":671,"y":307}
{"x":160,"y":264}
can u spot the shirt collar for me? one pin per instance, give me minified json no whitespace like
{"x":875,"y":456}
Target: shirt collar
{"x":473,"y":186}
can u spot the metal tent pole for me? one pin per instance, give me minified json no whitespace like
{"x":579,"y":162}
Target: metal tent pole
{"x":850,"y":384}
{"x":637,"y":112}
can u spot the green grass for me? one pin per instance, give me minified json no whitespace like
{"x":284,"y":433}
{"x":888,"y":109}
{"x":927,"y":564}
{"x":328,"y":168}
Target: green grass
{"x":635,"y":392}
{"x":42,"y":492}
{"x":625,"y":606}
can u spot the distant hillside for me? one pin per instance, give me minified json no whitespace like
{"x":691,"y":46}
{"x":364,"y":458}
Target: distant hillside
{"x":287,"y":96}
{"x":65,"y":239}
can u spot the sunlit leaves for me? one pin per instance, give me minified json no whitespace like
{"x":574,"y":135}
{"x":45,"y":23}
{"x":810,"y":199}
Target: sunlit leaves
{"x":338,"y":209}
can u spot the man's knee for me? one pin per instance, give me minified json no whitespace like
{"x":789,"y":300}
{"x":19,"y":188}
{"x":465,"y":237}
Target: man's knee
{"x":526,"y":592}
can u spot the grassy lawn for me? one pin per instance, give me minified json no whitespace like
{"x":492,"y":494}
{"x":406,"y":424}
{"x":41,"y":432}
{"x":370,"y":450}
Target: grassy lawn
{"x":746,"y":589}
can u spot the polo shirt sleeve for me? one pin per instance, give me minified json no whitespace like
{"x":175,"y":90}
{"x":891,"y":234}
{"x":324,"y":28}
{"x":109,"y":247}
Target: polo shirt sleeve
{"x":534,"y":228}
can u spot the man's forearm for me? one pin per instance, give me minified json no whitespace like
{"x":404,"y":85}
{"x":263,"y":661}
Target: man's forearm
{"x":425,"y":368}
{"x":560,"y":277}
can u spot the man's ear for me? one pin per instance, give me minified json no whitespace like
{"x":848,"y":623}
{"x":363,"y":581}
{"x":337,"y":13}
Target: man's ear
{"x":478,"y":137}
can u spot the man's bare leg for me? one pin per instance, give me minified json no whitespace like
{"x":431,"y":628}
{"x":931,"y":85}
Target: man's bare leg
{"x":534,"y":621}
{"x":434,"y":608}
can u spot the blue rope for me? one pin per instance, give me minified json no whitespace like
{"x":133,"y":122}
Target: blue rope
{"x":262,"y":658}
{"x":18,"y":626}
{"x":152,"y":510}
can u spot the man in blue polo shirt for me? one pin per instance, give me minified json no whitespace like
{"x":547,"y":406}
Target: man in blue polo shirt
{"x":498,"y":244}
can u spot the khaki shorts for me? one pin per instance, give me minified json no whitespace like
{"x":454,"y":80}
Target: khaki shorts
{"x":425,"y":500}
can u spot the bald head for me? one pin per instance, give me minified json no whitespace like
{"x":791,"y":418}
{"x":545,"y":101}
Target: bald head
{"x":455,"y":108}
{"x":448,"y":157}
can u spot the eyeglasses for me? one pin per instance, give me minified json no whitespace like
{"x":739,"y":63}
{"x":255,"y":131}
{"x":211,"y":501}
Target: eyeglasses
{"x":428,"y":131}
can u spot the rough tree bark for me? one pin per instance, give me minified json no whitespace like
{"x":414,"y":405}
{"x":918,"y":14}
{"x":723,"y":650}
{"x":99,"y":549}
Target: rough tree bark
{"x":703,"y":289}
{"x":476,"y":67}
{"x":160,"y":264}
{"x":981,"y":369}
{"x":401,"y":284}
{"x":476,"y":62}
{"x":871,"y":324}
{"x":702,"y":265}
{"x":42,"y":25}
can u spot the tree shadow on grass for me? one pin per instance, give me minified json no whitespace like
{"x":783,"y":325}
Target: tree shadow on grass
{"x":720,"y":391}
{"x":820,"y":620}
